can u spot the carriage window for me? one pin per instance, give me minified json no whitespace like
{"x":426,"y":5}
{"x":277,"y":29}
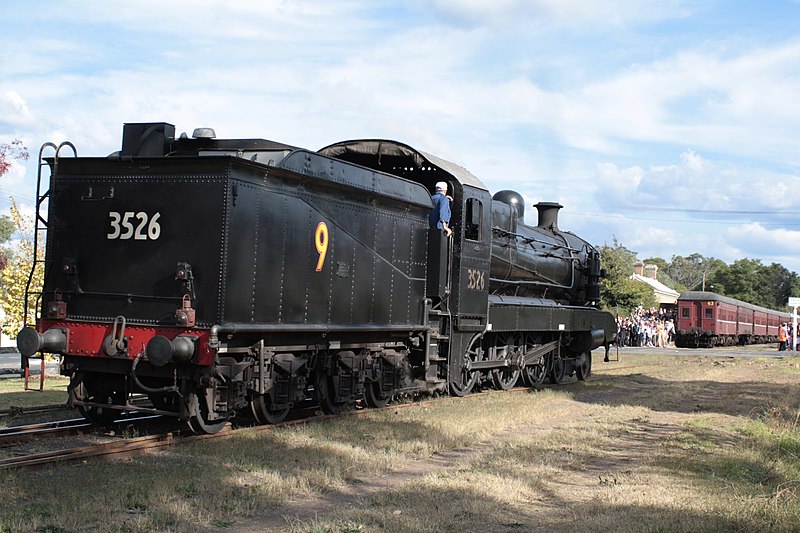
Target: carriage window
{"x":685,"y":312}
{"x":472,"y":223}
{"x":709,"y":312}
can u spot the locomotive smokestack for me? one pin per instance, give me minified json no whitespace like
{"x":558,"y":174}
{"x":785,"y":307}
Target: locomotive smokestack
{"x":548,"y":215}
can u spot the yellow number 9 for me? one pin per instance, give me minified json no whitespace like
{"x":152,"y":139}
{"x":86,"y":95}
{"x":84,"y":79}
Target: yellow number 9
{"x":321,"y":241}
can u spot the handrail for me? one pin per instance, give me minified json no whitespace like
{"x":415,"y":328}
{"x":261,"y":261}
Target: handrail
{"x":40,"y":224}
{"x":40,"y":198}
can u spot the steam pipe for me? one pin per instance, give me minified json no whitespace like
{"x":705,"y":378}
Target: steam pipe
{"x":145,"y":388}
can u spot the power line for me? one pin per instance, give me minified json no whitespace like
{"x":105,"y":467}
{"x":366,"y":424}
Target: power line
{"x":708,"y":211}
{"x":694,"y":221}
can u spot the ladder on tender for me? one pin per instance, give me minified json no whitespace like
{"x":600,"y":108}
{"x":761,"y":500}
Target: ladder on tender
{"x":437,"y":340}
{"x":40,"y":226}
{"x":439,"y":321}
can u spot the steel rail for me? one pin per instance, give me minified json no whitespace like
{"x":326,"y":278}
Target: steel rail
{"x":13,"y":435}
{"x":15,"y":411}
{"x":142,"y":444}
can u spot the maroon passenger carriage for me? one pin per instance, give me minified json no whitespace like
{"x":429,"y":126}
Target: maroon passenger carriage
{"x":707,"y":319}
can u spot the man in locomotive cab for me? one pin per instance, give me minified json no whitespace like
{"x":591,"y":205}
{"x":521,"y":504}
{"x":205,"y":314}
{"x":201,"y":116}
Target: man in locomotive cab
{"x":440,"y":216}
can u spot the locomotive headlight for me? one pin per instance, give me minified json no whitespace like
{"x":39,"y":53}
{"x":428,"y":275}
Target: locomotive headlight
{"x":30,"y":341}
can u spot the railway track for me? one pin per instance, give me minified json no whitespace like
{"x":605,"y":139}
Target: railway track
{"x":16,"y":434}
{"x":21,"y":445}
{"x":36,"y":409}
{"x":85,"y":452}
{"x":121,"y":446}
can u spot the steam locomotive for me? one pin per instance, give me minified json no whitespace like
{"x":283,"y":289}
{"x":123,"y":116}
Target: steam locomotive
{"x":243,"y":276}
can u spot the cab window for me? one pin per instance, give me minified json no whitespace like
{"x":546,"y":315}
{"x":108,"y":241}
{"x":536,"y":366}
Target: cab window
{"x":474,"y":216}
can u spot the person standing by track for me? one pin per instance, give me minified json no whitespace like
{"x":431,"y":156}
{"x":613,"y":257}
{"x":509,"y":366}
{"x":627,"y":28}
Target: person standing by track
{"x":782,"y":337}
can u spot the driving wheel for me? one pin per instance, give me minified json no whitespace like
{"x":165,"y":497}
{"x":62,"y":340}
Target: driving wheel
{"x":557,"y":369}
{"x":583,"y":371}
{"x":462,"y":384}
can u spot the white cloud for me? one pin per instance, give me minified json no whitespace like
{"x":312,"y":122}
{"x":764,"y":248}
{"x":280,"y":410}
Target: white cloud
{"x":744,"y":103}
{"x":622,"y":118}
{"x":559,"y":13}
{"x":13,"y":109}
{"x":650,"y":240}
{"x":755,"y":240}
{"x":697,"y":183}
{"x":208,"y":25}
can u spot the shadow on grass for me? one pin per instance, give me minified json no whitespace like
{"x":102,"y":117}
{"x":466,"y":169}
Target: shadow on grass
{"x":470,"y":509}
{"x":224,"y":484}
{"x":217,"y":483}
{"x":735,"y":399}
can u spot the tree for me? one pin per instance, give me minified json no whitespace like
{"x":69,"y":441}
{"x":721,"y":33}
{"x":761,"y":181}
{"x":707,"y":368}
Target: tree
{"x":10,"y":299}
{"x":780,"y":284}
{"x":745,"y":279}
{"x":618,"y":289}
{"x":7,"y":228}
{"x":8,"y":152}
{"x":750,"y":281}
{"x":688,"y":272}
{"x":15,"y":275}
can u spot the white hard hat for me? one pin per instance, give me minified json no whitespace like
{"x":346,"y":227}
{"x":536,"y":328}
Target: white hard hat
{"x":441,"y":186}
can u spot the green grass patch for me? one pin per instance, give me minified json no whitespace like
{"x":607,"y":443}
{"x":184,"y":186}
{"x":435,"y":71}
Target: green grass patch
{"x":13,"y":393}
{"x":17,"y":402}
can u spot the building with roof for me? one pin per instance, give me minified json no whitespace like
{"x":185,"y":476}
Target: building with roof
{"x":647,"y":274}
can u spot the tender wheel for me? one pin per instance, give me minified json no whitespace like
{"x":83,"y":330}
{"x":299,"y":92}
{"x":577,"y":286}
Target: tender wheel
{"x":582,"y":372}
{"x":199,"y":421}
{"x":327,"y":394}
{"x":462,"y":384}
{"x":557,"y":368}
{"x":375,"y":396}
{"x":99,"y":391}
{"x":505,"y":378}
{"x":265,"y":413}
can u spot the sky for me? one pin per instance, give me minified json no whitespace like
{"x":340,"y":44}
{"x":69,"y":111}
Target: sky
{"x":670,"y":126}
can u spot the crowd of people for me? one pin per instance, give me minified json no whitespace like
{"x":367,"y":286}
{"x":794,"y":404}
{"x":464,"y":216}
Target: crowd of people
{"x":646,"y":327}
{"x":786,"y":337}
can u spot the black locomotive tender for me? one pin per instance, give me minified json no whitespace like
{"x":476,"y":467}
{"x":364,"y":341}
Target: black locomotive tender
{"x":229,"y":276}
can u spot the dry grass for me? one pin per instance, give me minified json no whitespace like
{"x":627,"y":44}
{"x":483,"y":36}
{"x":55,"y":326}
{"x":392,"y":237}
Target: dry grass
{"x":685,"y":443}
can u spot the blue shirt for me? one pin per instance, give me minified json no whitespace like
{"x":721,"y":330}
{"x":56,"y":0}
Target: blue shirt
{"x":441,"y":211}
